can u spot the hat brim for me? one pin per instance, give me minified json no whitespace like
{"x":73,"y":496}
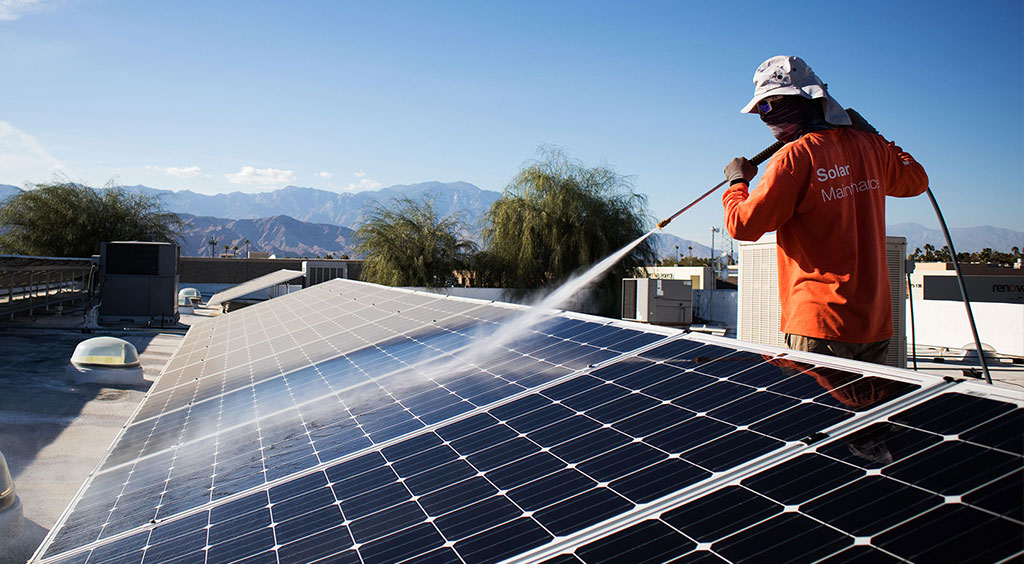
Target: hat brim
{"x":751,"y":106}
{"x":834,"y":113}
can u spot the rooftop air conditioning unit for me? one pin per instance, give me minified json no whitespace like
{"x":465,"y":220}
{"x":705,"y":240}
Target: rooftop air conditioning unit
{"x":657,"y":301}
{"x":758,"y":295}
{"x":317,"y":271}
{"x":140,"y":283}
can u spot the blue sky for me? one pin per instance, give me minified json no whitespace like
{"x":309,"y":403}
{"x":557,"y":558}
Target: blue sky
{"x":251,"y":96}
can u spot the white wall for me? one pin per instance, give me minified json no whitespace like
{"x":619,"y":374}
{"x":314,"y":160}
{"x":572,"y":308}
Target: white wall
{"x":725,"y":302}
{"x":944,"y":324}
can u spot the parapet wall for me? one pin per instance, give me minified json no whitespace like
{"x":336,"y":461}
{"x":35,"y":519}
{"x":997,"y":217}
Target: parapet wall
{"x":203,"y":270}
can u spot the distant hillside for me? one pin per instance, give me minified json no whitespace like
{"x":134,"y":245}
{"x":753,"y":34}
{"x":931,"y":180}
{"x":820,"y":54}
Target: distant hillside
{"x":7,"y":190}
{"x":665,"y":247}
{"x":965,"y":239}
{"x":281,"y":235}
{"x":321,"y":206}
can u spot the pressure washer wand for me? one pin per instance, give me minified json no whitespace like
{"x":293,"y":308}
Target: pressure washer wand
{"x":756,"y":160}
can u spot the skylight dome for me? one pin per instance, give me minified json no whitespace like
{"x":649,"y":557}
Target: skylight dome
{"x":105,"y":351}
{"x":185,"y":296}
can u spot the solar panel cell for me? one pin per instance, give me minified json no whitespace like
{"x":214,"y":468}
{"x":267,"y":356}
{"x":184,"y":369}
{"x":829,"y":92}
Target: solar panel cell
{"x":585,"y":509}
{"x":721,"y":513}
{"x":493,"y":545}
{"x":442,"y":476}
{"x":954,"y":533}
{"x":522,"y":471}
{"x":871,"y":505}
{"x":803,"y":478}
{"x":551,"y":413}
{"x":659,"y":479}
{"x":621,"y":461}
{"x":787,"y":537}
{"x":550,"y":489}
{"x":477,"y":517}
{"x":330,"y":542}
{"x":503,"y":453}
{"x":647,"y":542}
{"x":1003,"y":432}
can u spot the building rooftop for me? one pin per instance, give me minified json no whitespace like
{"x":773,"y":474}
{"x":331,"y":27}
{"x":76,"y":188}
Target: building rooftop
{"x":56,"y":431}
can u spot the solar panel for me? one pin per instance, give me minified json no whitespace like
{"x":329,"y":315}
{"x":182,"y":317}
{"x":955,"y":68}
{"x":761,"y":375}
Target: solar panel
{"x":939,"y":480}
{"x":254,"y":285}
{"x":350,"y":422}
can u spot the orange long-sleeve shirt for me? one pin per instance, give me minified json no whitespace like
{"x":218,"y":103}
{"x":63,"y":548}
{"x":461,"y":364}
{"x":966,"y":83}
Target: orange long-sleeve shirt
{"x":824,"y":194}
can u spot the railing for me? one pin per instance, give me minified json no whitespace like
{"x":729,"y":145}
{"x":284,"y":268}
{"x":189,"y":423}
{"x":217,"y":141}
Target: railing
{"x":28,"y":284}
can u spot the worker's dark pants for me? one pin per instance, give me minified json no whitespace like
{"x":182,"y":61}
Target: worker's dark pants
{"x":868,"y":352}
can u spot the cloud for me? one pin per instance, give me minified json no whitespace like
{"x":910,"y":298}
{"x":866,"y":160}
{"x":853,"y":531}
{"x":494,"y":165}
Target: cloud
{"x":324,"y":174}
{"x":261,"y":176}
{"x":13,"y":9}
{"x":181,"y":172}
{"x":23,"y":157}
{"x":363,"y":184}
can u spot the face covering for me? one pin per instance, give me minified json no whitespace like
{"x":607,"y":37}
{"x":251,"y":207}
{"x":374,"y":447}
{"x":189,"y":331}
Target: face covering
{"x":794,"y":116}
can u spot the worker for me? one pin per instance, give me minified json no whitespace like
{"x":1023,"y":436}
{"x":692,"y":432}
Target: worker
{"x":824,"y":194}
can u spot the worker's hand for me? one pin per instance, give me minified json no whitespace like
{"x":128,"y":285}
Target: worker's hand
{"x":740,"y":170}
{"x":858,"y":122}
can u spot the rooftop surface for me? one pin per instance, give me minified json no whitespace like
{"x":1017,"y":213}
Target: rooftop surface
{"x":55,"y":431}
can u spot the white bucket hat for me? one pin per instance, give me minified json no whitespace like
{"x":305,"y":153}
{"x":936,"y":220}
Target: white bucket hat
{"x":787,"y":75}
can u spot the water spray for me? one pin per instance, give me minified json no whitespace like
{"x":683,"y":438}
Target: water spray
{"x":579,"y":283}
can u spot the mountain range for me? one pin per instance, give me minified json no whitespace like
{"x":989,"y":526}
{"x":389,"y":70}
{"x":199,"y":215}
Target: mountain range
{"x":285,"y":236}
{"x":965,"y":239}
{"x":280,"y":235}
{"x":297,"y":221}
{"x":321,"y":206}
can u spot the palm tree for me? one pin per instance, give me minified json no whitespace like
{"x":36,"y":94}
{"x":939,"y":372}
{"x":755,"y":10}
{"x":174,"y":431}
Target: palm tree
{"x":234,"y":251}
{"x":213,"y":247}
{"x":68,"y":219}
{"x":406,"y":244}
{"x":557,"y":217}
{"x":246,"y":248}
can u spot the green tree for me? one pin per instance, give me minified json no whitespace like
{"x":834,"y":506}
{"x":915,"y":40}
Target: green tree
{"x":67,"y":219}
{"x":558,"y":217}
{"x":695,"y":261}
{"x":407,"y":244}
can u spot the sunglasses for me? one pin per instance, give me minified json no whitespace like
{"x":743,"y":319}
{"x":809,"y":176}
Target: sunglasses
{"x":765,"y":105}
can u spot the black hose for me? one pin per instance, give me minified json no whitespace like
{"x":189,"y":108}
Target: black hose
{"x":862,"y":124}
{"x":761,"y":157}
{"x":963,"y":287}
